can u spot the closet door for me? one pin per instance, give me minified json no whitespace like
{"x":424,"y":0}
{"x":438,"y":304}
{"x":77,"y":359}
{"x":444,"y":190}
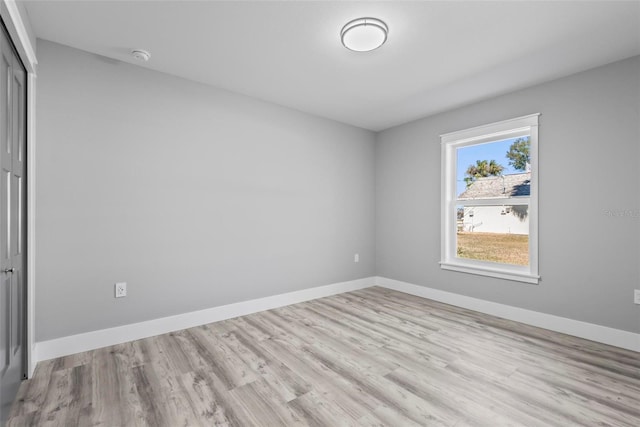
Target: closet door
{"x":12,"y":223}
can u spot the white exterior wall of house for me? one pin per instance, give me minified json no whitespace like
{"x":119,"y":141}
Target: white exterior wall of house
{"x":489,"y":219}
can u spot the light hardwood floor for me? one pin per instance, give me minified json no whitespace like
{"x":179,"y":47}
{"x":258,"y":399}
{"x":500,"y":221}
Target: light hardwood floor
{"x":370,"y":357}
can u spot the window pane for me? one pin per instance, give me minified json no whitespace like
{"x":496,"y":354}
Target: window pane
{"x":491,"y":170}
{"x":494,"y":233}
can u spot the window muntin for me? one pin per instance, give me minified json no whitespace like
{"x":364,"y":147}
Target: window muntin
{"x":489,"y":217}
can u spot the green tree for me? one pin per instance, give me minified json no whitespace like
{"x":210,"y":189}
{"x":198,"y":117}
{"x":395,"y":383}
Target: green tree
{"x":518,"y":154}
{"x":481,"y":169}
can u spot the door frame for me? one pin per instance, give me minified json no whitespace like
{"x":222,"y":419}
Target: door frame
{"x":20,"y":32}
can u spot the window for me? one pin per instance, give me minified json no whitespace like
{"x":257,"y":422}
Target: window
{"x":489,"y":200}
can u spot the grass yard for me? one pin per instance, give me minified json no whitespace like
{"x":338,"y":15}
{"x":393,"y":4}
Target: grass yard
{"x":505,"y":248}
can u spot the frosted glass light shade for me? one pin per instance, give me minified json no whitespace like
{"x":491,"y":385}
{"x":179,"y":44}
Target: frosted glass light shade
{"x":364,"y":34}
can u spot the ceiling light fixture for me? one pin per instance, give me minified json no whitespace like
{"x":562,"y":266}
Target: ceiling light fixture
{"x":364,"y":34}
{"x":141,"y":55}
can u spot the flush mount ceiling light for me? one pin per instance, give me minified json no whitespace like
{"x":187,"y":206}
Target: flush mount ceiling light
{"x":364,"y":34}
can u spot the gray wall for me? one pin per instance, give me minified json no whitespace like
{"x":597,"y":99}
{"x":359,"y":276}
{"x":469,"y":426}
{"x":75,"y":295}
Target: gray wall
{"x":196,"y":197}
{"x":589,"y":156}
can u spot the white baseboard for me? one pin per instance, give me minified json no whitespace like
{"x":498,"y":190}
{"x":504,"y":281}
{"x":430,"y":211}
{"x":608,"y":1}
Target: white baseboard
{"x":590,"y":331}
{"x":64,"y":346}
{"x":105,"y":337}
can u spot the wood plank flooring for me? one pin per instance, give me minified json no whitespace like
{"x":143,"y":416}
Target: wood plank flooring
{"x":366,"y":358}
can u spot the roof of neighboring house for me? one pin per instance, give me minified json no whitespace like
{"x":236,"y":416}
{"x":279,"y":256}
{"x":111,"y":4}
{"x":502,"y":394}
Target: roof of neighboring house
{"x":494,"y":187}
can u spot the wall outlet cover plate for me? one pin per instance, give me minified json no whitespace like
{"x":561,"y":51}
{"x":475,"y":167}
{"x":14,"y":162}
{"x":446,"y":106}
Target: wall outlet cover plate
{"x":120,"y":290}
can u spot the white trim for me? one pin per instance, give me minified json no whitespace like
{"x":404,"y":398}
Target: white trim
{"x":493,"y":272}
{"x":577,"y":328}
{"x":91,"y":340}
{"x":526,"y":125}
{"x":31,"y":223}
{"x":491,"y":130}
{"x":19,"y":33}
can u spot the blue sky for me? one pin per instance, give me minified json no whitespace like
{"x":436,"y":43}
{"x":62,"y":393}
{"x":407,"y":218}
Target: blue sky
{"x":467,"y":156}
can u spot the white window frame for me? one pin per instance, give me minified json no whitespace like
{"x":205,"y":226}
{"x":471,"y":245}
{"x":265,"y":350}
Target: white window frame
{"x":513,"y":128}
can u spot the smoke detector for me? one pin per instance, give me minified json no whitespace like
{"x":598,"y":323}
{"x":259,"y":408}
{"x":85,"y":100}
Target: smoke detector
{"x":141,"y":55}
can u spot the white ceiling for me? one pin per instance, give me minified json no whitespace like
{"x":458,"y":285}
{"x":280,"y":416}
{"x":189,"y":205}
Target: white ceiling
{"x":439,"y":55}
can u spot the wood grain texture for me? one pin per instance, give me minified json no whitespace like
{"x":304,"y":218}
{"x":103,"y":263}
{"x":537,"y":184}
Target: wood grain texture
{"x":366,"y":358}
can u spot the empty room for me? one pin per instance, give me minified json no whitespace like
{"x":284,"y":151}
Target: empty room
{"x":320,"y":213}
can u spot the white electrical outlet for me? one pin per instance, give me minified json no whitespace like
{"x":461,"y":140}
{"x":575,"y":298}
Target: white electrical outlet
{"x":356,"y":257}
{"x":636,"y":296}
{"x":121,"y":289}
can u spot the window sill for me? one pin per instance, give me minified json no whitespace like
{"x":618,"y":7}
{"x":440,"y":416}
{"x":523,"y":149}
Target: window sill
{"x":491,"y":272}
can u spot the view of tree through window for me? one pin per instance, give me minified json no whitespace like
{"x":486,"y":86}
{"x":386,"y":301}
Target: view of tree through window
{"x":492,"y":201}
